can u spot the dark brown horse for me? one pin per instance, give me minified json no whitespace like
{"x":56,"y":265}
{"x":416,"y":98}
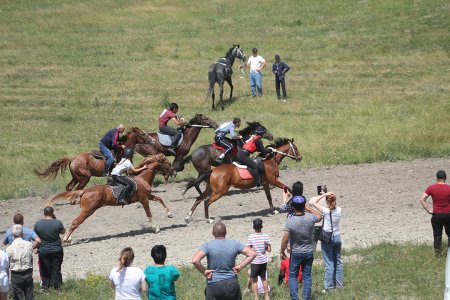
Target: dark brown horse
{"x":190,"y":134}
{"x":85,"y":165}
{"x":204,"y":157}
{"x":98,"y":196}
{"x":225,"y":176}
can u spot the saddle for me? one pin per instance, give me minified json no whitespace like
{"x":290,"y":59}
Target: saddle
{"x":116,"y":188}
{"x":243,"y":171}
{"x":166,"y":140}
{"x":98,"y":154}
{"x":233,"y":152}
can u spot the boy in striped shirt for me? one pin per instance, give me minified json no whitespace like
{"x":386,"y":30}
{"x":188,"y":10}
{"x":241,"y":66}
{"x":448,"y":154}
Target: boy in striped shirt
{"x":260,"y":243}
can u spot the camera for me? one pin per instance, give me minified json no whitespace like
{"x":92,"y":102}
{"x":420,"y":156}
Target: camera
{"x":319,"y":189}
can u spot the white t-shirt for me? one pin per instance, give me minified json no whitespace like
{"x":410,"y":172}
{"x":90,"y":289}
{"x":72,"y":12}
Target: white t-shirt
{"x":255,"y":62}
{"x":122,"y":167}
{"x":127,"y":283}
{"x":4,"y":271}
{"x":336,"y":218}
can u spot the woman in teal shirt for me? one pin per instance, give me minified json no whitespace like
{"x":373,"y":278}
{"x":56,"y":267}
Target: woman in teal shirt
{"x":161,"y":278}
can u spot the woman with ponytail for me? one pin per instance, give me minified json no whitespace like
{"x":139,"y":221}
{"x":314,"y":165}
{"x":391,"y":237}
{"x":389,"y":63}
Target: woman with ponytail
{"x":128,"y":282}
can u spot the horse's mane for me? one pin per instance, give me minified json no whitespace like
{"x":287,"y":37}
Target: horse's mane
{"x":197,"y":119}
{"x":280,"y":142}
{"x":229,"y":51}
{"x":247,"y":131}
{"x":150,"y":159}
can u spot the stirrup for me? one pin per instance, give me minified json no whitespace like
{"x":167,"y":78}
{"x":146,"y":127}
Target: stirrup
{"x":219,"y":160}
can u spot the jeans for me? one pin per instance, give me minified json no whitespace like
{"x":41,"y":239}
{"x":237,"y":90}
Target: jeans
{"x":107,"y":153}
{"x":334,"y":272}
{"x":306,"y":261}
{"x":438,"y":222}
{"x":256,"y":83}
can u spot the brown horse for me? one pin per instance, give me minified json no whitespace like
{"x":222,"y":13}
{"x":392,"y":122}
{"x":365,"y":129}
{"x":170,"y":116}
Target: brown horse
{"x":224,"y":176}
{"x":190,"y":134}
{"x":85,"y":165}
{"x":98,"y":196}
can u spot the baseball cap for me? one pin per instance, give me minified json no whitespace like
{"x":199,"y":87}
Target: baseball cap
{"x":257,"y":223}
{"x":298,"y":199}
{"x":254,"y":50}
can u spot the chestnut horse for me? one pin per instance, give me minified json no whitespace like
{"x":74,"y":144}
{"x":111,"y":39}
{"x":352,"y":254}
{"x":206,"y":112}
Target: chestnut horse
{"x":225,"y":176}
{"x":85,"y":165}
{"x":190,"y":134}
{"x":98,"y":196}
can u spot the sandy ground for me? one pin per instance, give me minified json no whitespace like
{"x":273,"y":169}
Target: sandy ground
{"x":379,"y":202}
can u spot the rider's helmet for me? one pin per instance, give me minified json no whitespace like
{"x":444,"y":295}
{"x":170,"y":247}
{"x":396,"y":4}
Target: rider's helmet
{"x":128,"y":152}
{"x":260,"y":130}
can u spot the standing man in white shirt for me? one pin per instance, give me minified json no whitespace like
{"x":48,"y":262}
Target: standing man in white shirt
{"x":256,"y":63}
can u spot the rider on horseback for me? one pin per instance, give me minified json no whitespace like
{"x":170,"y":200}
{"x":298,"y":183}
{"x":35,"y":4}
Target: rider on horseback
{"x":125,"y":166}
{"x":221,"y":132}
{"x":164,"y":117}
{"x":108,"y":143}
{"x":253,"y":144}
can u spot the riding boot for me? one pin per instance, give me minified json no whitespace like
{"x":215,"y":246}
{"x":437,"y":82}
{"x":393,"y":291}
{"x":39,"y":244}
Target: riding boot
{"x":105,"y":172}
{"x":172,"y":150}
{"x":219,"y":160}
{"x":121,"y":198}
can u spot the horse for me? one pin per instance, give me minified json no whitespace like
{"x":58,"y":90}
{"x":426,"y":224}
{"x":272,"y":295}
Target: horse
{"x":98,"y":196}
{"x":85,"y":165}
{"x":204,"y":157}
{"x":224,"y":176}
{"x":190,"y":134}
{"x":221,"y":71}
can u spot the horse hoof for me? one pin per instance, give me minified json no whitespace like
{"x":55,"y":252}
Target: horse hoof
{"x":210,"y":220}
{"x":155,"y":229}
{"x":275,"y":212}
{"x":169,"y":215}
{"x":187,"y":219}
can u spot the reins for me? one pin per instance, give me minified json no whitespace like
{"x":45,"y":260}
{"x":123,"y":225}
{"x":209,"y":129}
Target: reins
{"x":291,"y":147}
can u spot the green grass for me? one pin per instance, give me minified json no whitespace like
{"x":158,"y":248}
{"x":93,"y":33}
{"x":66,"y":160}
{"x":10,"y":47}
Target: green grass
{"x":369,"y":79}
{"x":385,"y":271}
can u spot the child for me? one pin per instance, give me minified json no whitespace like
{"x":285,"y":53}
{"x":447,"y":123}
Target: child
{"x":260,"y":243}
{"x":284,"y":271}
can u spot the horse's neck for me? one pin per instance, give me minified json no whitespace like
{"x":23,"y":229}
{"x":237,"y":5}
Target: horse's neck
{"x":148,"y":175}
{"x":190,"y":136}
{"x":131,"y":141}
{"x":279,"y":157}
{"x":231,"y":58}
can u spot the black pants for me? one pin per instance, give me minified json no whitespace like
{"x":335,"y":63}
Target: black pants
{"x":172,"y":132}
{"x":22,"y":284}
{"x":281,"y":82}
{"x":51,"y":269}
{"x":223,"y":290}
{"x":223,"y":142}
{"x":127,"y":183}
{"x":244,"y":158}
{"x":438,"y":222}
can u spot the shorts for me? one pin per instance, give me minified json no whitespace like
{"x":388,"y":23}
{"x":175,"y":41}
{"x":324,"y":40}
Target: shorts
{"x":258,"y":270}
{"x":4,"y":284}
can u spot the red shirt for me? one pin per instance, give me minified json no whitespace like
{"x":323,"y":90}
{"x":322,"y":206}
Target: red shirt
{"x":250,"y":145}
{"x":440,"y":193}
{"x":285,"y":269}
{"x":165,"y":116}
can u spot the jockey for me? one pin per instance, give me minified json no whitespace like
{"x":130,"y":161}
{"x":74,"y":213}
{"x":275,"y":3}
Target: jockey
{"x":167,"y":115}
{"x":253,"y":144}
{"x":123,"y":167}
{"x":221,"y":132}
{"x":109,"y":143}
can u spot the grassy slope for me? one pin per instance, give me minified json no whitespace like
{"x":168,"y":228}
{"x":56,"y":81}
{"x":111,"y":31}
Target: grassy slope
{"x":369,"y":79}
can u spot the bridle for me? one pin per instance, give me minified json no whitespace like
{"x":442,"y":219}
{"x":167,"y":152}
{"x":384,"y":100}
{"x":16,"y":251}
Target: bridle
{"x":291,"y":149}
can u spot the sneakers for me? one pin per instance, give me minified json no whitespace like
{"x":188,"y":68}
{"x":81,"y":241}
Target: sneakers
{"x":219,"y":160}
{"x":172,"y":151}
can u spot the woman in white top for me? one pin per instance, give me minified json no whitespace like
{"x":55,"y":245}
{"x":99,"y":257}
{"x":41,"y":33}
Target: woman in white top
{"x":125,"y":166}
{"x":4,"y":271}
{"x":129,"y":282}
{"x":331,"y":252}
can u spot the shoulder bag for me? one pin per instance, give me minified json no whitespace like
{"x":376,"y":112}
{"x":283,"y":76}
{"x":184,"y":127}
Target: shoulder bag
{"x":325,"y":236}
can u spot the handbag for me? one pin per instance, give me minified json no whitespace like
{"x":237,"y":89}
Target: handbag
{"x":325,"y":236}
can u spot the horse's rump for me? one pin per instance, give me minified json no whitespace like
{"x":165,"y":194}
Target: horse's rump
{"x":98,"y":154}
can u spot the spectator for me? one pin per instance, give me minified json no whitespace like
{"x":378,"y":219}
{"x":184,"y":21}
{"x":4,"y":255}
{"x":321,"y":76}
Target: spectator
{"x":256,"y":64}
{"x":318,"y":227}
{"x":298,"y":230}
{"x":221,"y":272}
{"x":20,"y":254}
{"x":284,"y":269}
{"x":259,"y":284}
{"x":331,"y":252}
{"x":297,"y":191}
{"x":128,"y":282}
{"x":260,"y":243}
{"x":4,"y":271}
{"x":161,"y":278}
{"x":28,"y":234}
{"x":440,"y":194}
{"x":280,"y":68}
{"x":51,"y":253}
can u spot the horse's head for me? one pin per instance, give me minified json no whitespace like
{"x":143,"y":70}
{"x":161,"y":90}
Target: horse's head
{"x":141,"y":136}
{"x":250,"y":129}
{"x":160,"y":163}
{"x":203,"y":120}
{"x":287,"y":148}
{"x":237,"y":52}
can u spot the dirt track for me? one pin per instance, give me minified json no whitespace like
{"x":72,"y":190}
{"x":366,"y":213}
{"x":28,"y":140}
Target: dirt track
{"x":379,"y":201}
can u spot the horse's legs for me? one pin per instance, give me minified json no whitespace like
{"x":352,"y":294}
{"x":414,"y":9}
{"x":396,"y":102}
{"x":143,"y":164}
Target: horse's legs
{"x":84,"y":214}
{"x":269,"y":197}
{"x":212,"y":95}
{"x":160,"y":200}
{"x":83,"y":182}
{"x":231,"y":87}
{"x":144,"y":203}
{"x":199,"y":199}
{"x":197,"y":187}
{"x":71,"y":184}
{"x":210,"y":201}
{"x":221,"y":95}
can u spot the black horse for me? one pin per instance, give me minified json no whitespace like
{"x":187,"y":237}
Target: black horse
{"x":204,"y":157}
{"x":221,"y":71}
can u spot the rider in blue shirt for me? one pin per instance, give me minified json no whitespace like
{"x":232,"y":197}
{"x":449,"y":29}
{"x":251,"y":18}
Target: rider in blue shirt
{"x":109,"y":143}
{"x":221,"y":132}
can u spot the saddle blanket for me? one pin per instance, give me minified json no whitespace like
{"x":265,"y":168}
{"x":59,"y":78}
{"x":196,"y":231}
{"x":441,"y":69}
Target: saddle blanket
{"x":166,"y":140}
{"x":243,"y":171}
{"x":233,"y":150}
{"x":116,"y":188}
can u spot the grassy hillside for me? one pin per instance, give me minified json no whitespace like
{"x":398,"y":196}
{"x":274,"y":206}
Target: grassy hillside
{"x":369,"y":80}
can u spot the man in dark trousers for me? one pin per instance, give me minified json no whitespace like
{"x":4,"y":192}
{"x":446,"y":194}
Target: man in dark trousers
{"x":50,"y":251}
{"x":109,"y":143}
{"x":279,"y":68}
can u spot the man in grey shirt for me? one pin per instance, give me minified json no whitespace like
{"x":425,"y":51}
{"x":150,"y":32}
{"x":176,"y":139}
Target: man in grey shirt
{"x":299,"y":230}
{"x":221,"y":271}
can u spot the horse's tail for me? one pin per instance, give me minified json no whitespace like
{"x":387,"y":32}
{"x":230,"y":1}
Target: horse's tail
{"x":74,"y":197}
{"x":212,"y":77}
{"x":197,"y":181}
{"x":52,"y":171}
